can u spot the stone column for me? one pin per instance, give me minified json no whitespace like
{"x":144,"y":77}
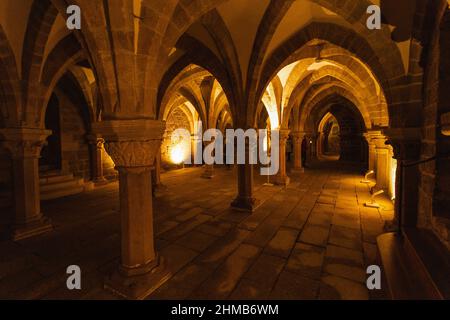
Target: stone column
{"x":24,"y":145}
{"x":133,"y":145}
{"x":96,"y":143}
{"x":372,"y":151}
{"x":208,"y":171}
{"x":406,"y":146}
{"x":245,"y":200}
{"x":297,"y":138}
{"x":196,"y":144}
{"x":312,"y":145}
{"x":282,"y":177}
{"x":380,"y":153}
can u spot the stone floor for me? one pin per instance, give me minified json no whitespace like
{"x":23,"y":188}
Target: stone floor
{"x":311,"y":240}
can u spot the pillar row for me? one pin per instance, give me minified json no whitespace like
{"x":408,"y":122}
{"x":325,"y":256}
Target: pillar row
{"x":24,"y":145}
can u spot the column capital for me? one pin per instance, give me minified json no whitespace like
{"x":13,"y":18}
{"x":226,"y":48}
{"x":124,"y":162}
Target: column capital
{"x":374,"y":134}
{"x":405,"y":142}
{"x":284,"y":134}
{"x":24,"y":142}
{"x":131,"y":143}
{"x":95,"y":140}
{"x":298,"y":134}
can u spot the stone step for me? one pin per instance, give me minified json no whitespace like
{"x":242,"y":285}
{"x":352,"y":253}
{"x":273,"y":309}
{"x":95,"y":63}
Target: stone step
{"x":65,"y":184}
{"x":55,"y":178}
{"x":407,"y":272}
{"x":53,"y":187}
{"x":61,"y":193}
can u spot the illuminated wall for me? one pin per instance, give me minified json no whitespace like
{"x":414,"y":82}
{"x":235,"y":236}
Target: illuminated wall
{"x":175,"y":152}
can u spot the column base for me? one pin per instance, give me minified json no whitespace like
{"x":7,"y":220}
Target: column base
{"x":158,"y":190}
{"x":208,"y":174}
{"x":245,"y":204}
{"x":31,"y":229}
{"x":282,"y":180}
{"x":98,"y":182}
{"x":139,"y":283}
{"x":298,"y":170}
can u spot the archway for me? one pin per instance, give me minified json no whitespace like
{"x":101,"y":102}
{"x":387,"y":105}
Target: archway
{"x":329,"y":142}
{"x":50,"y":160}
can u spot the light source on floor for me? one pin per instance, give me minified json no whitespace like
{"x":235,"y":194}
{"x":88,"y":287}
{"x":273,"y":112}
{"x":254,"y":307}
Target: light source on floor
{"x":373,"y":203}
{"x":366,"y":177}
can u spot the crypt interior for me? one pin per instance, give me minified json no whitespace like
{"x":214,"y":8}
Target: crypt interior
{"x":90,"y":176}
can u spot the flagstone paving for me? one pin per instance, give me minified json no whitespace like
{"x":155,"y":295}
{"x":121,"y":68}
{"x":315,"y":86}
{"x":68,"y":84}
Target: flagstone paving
{"x":310,"y":240}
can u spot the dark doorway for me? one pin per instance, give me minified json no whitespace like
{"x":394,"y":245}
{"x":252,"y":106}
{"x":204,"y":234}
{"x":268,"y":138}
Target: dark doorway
{"x":51,"y":153}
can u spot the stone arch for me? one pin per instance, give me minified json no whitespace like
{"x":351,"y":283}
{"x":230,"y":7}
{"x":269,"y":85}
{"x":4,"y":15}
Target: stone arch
{"x":351,"y":124}
{"x":42,"y":16}
{"x":175,"y":81}
{"x":338,"y":36}
{"x":65,"y":54}
{"x":10,"y":89}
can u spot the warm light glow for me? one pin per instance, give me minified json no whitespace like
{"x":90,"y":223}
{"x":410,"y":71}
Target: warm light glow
{"x":265,"y":144}
{"x":393,"y":177}
{"x":318,"y":65}
{"x":178,"y":153}
{"x":285,"y":73}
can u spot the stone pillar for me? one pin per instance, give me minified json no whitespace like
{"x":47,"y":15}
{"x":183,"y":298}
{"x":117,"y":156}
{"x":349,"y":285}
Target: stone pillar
{"x":380,"y":156}
{"x":245,"y":200}
{"x":208,"y":171}
{"x":133,"y":145}
{"x":24,"y":145}
{"x":297,"y":138}
{"x":312,"y":145}
{"x":196,"y":144}
{"x":406,"y":145}
{"x":282,"y":178}
{"x":96,"y":143}
{"x":372,"y":151}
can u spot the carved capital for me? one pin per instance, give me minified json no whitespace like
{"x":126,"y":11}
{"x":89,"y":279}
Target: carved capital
{"x":284,"y":135}
{"x":24,"y":142}
{"x":131,"y":154}
{"x":298,"y":136}
{"x":131,"y":143}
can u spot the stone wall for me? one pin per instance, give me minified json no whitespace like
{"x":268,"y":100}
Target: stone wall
{"x":434,"y":188}
{"x":74,"y":147}
{"x":5,"y":181}
{"x":177,"y":119}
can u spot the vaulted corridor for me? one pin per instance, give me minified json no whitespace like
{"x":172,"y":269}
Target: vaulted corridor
{"x":225,"y":149}
{"x":311,"y":240}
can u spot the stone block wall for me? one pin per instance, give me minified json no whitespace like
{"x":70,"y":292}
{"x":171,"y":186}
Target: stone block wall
{"x":434,"y":187}
{"x":177,"y":119}
{"x":74,"y":146}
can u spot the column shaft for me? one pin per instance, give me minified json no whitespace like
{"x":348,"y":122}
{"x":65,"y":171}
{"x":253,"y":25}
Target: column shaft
{"x":25,"y":146}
